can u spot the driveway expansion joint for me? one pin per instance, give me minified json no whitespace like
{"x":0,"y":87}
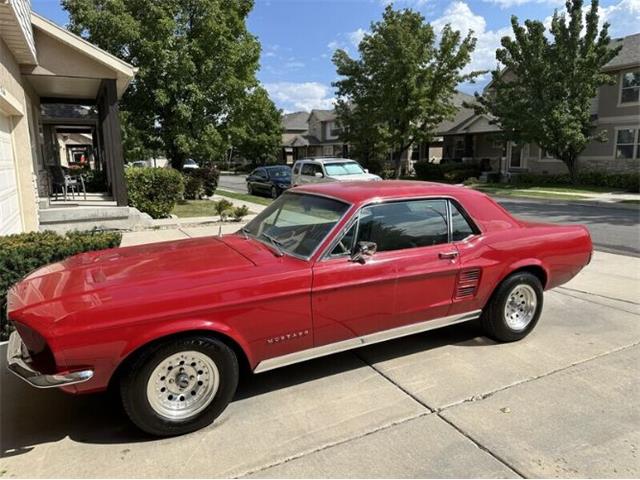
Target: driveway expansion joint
{"x":560,"y":291}
{"x":482,"y":396}
{"x":331,"y":445}
{"x":394,"y":383}
{"x":488,"y":451}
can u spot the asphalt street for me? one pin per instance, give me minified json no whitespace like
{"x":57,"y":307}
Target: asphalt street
{"x":613,"y":230}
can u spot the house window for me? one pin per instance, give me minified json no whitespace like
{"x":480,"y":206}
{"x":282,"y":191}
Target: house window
{"x":630,"y":87}
{"x":458,"y":147}
{"x":627,"y":143}
{"x":333,"y":130}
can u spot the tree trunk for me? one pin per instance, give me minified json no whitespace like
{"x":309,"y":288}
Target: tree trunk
{"x":572,"y":166}
{"x":398,"y":161}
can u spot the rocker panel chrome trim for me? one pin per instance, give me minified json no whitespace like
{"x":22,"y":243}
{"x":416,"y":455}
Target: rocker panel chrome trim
{"x":321,"y":351}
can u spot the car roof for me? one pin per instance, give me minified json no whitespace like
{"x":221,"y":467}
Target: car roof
{"x":326,"y":160}
{"x":366,"y":192}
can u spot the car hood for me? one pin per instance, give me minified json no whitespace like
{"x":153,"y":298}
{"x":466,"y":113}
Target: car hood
{"x":160,"y":264}
{"x":355,"y":177}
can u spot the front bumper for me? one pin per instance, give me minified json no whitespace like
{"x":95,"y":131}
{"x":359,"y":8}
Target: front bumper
{"x":18,"y":361}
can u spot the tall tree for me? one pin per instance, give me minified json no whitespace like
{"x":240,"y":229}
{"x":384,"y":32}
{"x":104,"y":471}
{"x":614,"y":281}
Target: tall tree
{"x":256,"y":128}
{"x":544,"y":92}
{"x":404,"y":79}
{"x":197,"y":65}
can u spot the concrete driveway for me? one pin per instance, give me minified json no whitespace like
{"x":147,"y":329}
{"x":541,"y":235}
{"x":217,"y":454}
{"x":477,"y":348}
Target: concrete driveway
{"x":449,"y":403}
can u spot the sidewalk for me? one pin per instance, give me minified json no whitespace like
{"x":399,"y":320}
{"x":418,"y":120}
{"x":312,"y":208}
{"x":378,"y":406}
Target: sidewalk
{"x":617,"y":199}
{"x":167,"y":229}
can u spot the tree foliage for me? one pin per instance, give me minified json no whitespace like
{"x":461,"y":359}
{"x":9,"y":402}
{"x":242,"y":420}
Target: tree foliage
{"x":256,"y":128}
{"x":402,"y":85}
{"x":197,"y":64}
{"x":543,"y":94}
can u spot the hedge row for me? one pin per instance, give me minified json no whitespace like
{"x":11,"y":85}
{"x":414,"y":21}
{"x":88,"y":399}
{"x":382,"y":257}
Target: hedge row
{"x":448,"y":172}
{"x":22,"y":253}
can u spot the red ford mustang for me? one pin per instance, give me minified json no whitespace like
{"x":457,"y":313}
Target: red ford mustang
{"x":323,"y":269}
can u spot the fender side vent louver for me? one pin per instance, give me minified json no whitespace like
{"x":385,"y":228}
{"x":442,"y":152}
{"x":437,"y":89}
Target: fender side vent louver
{"x":467,"y":284}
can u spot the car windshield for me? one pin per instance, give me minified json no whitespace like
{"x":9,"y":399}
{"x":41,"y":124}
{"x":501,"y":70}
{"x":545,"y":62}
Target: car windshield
{"x":296,"y":223}
{"x":343,"y":168}
{"x":282,"y":172}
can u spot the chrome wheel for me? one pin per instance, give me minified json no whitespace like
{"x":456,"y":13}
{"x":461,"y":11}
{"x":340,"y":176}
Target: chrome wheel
{"x":183,"y":385}
{"x":520,"y":307}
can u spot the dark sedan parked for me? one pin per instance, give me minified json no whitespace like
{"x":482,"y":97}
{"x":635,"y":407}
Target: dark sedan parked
{"x":271,"y":180}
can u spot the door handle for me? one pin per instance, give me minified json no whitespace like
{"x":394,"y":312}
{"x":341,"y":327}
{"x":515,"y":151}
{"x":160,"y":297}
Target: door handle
{"x":448,"y":255}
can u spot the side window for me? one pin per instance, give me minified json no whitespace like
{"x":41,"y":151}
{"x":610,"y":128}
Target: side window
{"x":401,"y":225}
{"x":460,"y":226}
{"x":317,"y":169}
{"x":261,"y":173}
{"x":345,"y":245}
{"x":307,"y":169}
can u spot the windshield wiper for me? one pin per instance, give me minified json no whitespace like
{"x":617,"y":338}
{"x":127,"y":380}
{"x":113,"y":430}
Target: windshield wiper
{"x":277,"y":244}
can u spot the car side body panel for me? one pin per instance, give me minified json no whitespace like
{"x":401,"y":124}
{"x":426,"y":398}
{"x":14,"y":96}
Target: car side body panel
{"x":95,"y":310}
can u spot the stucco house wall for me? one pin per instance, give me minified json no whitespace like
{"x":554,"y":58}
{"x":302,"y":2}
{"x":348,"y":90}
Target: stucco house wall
{"x":11,"y":81}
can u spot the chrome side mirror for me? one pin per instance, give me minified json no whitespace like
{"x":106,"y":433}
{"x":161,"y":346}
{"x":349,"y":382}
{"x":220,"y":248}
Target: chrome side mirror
{"x":362,"y":250}
{"x":319,"y":175}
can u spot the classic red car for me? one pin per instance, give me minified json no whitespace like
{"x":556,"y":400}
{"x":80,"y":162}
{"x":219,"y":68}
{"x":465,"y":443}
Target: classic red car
{"x":325,"y":268}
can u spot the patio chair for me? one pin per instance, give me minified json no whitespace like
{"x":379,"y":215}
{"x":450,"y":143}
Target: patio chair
{"x":60,"y":180}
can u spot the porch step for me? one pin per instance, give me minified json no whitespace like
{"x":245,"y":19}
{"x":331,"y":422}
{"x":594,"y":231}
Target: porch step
{"x":64,"y":219}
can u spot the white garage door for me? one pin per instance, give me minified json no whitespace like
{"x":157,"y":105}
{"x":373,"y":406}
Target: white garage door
{"x":9,"y":207}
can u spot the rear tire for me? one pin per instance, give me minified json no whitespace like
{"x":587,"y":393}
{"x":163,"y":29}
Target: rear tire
{"x":179,"y":386}
{"x":514,"y":309}
{"x":249,"y":189}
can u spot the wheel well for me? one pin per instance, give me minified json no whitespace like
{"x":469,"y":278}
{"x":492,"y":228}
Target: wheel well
{"x":243,"y":361}
{"x":536,"y":270}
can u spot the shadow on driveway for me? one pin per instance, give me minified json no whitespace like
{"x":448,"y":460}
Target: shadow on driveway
{"x":30,"y":417}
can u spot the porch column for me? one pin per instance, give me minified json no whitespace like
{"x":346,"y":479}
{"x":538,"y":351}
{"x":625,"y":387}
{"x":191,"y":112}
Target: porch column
{"x":109,"y":123}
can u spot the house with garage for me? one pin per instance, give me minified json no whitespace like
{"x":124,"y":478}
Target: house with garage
{"x":58,"y":123}
{"x":615,"y":110}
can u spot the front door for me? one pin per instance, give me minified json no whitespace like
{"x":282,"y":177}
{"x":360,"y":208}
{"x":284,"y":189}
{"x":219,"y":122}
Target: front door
{"x":410,"y":279}
{"x":350,"y":299}
{"x":515,"y":155}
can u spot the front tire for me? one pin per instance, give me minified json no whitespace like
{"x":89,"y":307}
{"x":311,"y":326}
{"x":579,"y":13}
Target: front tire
{"x":274,"y":193}
{"x":514,"y":309}
{"x":179,"y":386}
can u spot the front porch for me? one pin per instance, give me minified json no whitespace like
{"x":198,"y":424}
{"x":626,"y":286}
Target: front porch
{"x":79,"y":164}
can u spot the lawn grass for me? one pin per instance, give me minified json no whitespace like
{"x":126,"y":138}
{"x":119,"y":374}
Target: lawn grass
{"x":195,"y":208}
{"x":245,"y":197}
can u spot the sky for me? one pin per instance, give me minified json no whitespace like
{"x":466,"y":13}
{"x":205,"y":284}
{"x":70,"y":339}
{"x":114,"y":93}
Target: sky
{"x":298,"y":37}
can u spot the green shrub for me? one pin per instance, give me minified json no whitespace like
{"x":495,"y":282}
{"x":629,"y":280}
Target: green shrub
{"x":22,"y":253}
{"x":193,"y":187}
{"x":224,"y":208}
{"x":448,"y":172}
{"x":154,"y":190}
{"x":240,"y":212}
{"x":207,"y":175}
